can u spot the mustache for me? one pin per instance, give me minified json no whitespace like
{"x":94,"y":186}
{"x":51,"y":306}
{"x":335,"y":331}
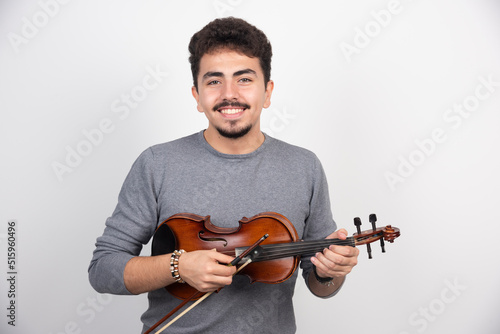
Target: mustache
{"x":230,"y":104}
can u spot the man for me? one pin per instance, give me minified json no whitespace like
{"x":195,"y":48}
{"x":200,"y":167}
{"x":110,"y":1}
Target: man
{"x":228,"y":171}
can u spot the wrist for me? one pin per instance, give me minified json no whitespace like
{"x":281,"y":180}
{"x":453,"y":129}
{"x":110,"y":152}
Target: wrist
{"x":174,"y":265}
{"x":328,"y":281}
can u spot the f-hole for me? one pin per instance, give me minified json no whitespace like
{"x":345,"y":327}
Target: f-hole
{"x":211,"y":239}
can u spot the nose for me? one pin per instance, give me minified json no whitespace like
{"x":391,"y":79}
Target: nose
{"x":229,"y":91}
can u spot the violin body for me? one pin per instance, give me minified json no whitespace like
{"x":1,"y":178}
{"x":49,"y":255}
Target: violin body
{"x":280,"y":252}
{"x":193,"y":232}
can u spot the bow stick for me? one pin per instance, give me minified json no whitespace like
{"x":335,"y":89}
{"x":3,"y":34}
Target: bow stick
{"x":255,"y":250}
{"x":205,"y":296}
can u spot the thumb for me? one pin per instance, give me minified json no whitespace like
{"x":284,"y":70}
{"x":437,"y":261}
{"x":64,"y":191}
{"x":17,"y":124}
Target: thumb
{"x":339,"y":234}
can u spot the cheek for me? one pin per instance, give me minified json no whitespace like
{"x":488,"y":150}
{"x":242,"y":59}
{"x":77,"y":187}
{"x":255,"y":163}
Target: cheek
{"x":205,"y":103}
{"x":252,"y":97}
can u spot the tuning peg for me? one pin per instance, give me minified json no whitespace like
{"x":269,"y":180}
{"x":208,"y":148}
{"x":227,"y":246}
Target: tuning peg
{"x":373,"y":220}
{"x":357,"y":223}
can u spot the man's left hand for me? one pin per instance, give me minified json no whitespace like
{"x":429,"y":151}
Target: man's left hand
{"x":336,"y":261}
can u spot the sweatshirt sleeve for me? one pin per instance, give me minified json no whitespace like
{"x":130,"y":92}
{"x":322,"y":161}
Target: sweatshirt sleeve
{"x":319,"y":223}
{"x":131,"y":226}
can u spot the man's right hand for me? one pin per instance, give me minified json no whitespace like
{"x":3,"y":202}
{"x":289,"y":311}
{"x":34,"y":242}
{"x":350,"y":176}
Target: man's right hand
{"x":206,"y":270}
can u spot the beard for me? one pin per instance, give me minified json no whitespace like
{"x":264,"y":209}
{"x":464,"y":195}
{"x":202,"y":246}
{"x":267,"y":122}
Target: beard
{"x":234,"y":132}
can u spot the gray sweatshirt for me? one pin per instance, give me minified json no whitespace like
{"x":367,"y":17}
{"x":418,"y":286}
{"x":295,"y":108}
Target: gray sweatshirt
{"x":188,"y":175}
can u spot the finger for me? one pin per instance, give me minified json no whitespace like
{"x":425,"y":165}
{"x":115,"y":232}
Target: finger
{"x":221,"y":258}
{"x":224,"y":271}
{"x":331,"y":259}
{"x":215,"y":283}
{"x":326,"y":268}
{"x":334,"y":264}
{"x":344,"y":250}
{"x":325,"y":263}
{"x":321,"y":269}
{"x":219,"y":267}
{"x":339,"y":234}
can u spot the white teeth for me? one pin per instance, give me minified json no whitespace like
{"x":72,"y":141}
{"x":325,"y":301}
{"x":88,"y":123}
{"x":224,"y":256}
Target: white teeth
{"x":231,"y":111}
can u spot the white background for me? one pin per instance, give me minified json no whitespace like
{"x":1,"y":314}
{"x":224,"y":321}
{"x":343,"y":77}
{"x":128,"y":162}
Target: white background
{"x":363,"y":87}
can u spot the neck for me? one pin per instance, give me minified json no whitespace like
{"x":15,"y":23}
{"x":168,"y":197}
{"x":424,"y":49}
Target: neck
{"x":243,"y":145}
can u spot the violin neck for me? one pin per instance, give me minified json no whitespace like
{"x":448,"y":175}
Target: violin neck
{"x":302,"y":248}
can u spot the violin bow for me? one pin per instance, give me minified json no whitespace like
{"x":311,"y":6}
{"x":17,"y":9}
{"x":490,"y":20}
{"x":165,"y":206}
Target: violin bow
{"x":252,"y":252}
{"x":205,"y":296}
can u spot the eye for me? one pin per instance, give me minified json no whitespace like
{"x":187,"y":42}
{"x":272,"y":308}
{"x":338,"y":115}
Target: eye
{"x":213,"y":82}
{"x":245,"y":80}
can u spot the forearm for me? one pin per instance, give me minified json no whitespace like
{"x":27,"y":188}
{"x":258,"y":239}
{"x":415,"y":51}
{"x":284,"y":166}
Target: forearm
{"x":334,"y":262}
{"x":147,"y":273}
{"x":324,"y":290}
{"x":203,"y":270}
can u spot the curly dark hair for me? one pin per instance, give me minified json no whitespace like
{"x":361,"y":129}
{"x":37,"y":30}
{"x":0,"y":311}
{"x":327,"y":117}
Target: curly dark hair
{"x":234,"y":34}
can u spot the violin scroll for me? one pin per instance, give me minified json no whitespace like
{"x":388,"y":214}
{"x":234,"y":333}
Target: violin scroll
{"x":391,"y":233}
{"x":387,"y":233}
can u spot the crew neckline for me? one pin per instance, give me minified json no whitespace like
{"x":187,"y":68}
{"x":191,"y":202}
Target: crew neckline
{"x":212,"y":150}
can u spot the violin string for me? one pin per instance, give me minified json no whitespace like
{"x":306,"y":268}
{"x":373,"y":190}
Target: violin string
{"x":276,"y":251}
{"x":299,"y":247}
{"x":272,"y":255}
{"x":309,"y":247}
{"x":302,"y":244}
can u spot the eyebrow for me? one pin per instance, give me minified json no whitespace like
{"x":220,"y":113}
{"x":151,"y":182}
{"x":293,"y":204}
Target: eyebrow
{"x":235,"y":74}
{"x":245,"y":71}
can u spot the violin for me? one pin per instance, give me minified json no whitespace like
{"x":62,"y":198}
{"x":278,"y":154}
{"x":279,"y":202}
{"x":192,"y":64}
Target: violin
{"x":280,"y":252}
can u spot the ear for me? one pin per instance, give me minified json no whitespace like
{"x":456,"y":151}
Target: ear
{"x":268,"y":93}
{"x":196,"y":96}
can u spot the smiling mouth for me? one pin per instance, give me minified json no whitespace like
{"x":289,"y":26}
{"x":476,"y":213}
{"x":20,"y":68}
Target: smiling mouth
{"x":231,"y":108}
{"x":231,"y":111}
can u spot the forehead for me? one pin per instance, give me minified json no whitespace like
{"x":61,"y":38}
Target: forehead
{"x":228,"y":62}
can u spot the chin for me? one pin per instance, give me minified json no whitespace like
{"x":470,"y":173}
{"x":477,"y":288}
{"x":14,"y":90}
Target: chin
{"x":234,"y":133}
